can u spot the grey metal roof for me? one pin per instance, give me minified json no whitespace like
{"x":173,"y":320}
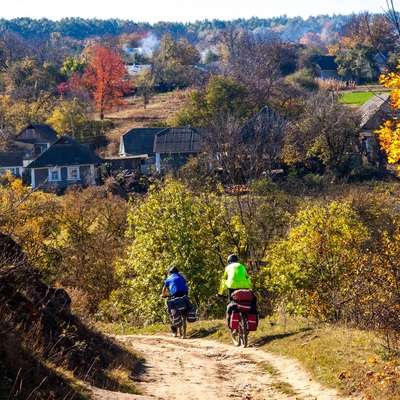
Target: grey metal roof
{"x":177,"y":140}
{"x":138,"y":141}
{"x":65,"y":151}
{"x":375,"y":110}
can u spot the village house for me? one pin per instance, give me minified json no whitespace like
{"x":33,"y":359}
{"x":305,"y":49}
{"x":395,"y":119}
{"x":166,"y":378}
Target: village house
{"x":26,"y":146}
{"x":147,"y":149}
{"x":327,"y":68}
{"x":66,"y":162}
{"x":175,"y":145}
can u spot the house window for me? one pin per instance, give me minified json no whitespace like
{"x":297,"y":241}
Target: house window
{"x":73,"y":173}
{"x":5,"y":169}
{"x":39,"y":149}
{"x":54,"y":174}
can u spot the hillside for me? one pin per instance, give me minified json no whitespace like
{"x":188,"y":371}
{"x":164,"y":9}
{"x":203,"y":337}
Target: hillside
{"x":161,"y":107}
{"x":46,"y":351}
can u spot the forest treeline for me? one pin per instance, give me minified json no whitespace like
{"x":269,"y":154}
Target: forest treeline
{"x":83,"y":29}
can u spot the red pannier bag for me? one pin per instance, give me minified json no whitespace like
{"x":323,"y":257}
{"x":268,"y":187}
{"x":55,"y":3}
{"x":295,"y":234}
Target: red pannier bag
{"x":243,"y":305}
{"x":252,"y":322}
{"x":234,"y":321}
{"x":242,"y":295}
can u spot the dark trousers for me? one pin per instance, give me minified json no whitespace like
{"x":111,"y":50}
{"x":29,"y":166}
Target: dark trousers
{"x":179,"y":294}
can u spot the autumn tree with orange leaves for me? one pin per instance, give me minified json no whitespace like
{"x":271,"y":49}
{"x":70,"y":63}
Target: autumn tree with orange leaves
{"x":105,"y":78}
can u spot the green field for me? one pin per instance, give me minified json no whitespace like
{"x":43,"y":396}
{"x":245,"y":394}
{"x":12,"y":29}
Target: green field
{"x":358,"y":98}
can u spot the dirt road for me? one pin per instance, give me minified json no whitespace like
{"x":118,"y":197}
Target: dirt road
{"x":199,"y":369}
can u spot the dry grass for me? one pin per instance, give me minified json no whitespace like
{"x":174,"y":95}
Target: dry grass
{"x":161,"y":107}
{"x":350,"y":360}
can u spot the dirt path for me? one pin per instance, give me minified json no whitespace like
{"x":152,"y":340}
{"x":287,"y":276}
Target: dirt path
{"x":194,"y":369}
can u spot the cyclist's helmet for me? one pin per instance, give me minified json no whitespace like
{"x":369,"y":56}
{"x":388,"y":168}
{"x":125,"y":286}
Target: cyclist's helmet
{"x":173,"y":270}
{"x":233,"y":258}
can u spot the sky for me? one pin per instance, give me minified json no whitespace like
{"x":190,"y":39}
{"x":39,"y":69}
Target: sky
{"x":153,"y":11}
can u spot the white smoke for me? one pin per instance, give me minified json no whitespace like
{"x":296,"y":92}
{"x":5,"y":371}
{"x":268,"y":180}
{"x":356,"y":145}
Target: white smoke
{"x":148,"y":45}
{"x":146,"y":48}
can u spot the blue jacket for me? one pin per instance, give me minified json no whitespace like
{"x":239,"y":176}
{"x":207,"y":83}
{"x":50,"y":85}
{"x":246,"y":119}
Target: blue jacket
{"x":176,"y":283}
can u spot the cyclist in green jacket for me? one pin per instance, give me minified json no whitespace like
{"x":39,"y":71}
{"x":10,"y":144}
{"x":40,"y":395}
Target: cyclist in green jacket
{"x":235,"y":276}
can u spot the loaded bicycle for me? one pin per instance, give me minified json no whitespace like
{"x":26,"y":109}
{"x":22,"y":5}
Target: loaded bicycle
{"x":180,"y":311}
{"x":241,"y":316}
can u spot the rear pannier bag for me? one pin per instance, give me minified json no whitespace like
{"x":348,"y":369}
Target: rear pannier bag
{"x":191,"y":316}
{"x":234,"y":321}
{"x":243,"y":305}
{"x":176,"y":318}
{"x":252,"y":322}
{"x":170,"y":305}
{"x":180,"y":303}
{"x":242,"y":295}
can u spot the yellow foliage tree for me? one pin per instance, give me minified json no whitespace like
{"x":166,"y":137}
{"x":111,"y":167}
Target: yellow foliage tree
{"x":389,"y":133}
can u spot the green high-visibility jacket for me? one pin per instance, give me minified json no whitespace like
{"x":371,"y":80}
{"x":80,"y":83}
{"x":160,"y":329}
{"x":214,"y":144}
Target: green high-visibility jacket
{"x":235,"y":277}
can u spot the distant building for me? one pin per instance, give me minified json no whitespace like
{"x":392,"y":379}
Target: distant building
{"x":327,"y":67}
{"x":137,"y":69}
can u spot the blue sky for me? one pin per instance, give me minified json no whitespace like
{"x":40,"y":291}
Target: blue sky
{"x":186,"y":10}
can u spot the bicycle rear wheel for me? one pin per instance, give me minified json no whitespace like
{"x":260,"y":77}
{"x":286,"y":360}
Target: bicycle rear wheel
{"x":243,"y":330}
{"x":236,"y":339}
{"x":182,"y":328}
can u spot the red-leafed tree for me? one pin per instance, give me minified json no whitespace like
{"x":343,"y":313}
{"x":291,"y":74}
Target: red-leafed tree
{"x":105,"y":78}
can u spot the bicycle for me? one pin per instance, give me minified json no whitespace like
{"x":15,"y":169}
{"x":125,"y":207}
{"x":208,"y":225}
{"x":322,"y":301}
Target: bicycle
{"x":240,"y":318}
{"x":175,"y":313}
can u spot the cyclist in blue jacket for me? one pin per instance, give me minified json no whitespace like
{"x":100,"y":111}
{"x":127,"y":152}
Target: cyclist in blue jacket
{"x":175,"y":283}
{"x":177,"y":287}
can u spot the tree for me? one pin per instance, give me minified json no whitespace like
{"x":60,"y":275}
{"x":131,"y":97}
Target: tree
{"x":145,"y":85}
{"x":23,"y":112}
{"x":105,"y":78}
{"x":222,"y":96}
{"x":92,"y":233}
{"x":70,"y":118}
{"x":73,"y":65}
{"x":259,"y":61}
{"x":389,"y":132}
{"x":376,"y":32}
{"x":30,"y":219}
{"x":358,"y":63}
{"x":314,"y":269}
{"x":379,"y":298}
{"x":175,"y":63}
{"x":28,"y":79}
{"x":12,"y":48}
{"x":326,"y":131}
{"x":172,"y":226}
